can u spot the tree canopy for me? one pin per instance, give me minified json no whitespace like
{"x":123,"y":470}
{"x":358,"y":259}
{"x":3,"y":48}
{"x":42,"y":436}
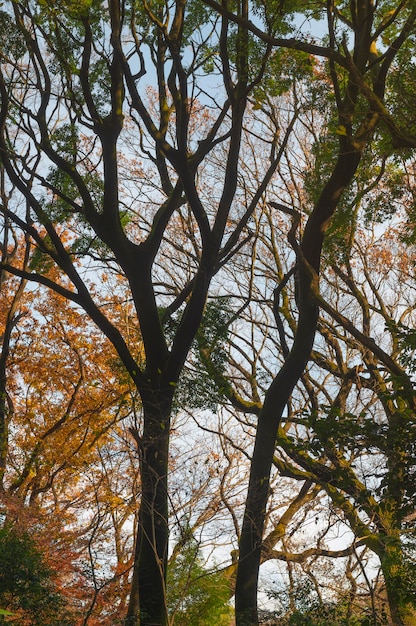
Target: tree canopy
{"x":195,"y":201}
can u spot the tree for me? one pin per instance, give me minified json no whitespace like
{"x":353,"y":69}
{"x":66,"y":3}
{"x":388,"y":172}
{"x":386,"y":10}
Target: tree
{"x":359,"y":81}
{"x":115,"y":122}
{"x":348,"y":425}
{"x":306,"y":606}
{"x":71,"y":476}
{"x":65,"y":409}
{"x":365,"y":435}
{"x":71,"y":102}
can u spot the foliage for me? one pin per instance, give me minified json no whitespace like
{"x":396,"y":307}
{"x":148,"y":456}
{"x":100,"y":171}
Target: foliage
{"x":203,"y":384}
{"x":305,"y":608}
{"x":14,"y":43}
{"x":140,"y":144}
{"x":406,"y":338}
{"x":196,"y":595}
{"x":27,"y":585}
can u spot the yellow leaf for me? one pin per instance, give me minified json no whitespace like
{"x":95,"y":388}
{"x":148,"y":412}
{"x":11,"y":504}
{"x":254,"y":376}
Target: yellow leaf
{"x":341,"y":130}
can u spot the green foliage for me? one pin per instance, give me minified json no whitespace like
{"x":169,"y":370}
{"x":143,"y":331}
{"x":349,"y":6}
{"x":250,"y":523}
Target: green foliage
{"x":195,"y":595}
{"x":66,"y":205}
{"x":26,"y":582}
{"x":65,"y":139}
{"x":40,"y":261}
{"x":203,"y":384}
{"x":73,"y":8}
{"x":399,"y":570}
{"x":360,"y":434}
{"x":311,"y":610}
{"x":197,"y":14}
{"x":63,"y":24}
{"x":58,"y":209}
{"x":324,"y":154}
{"x":285,"y":67}
{"x":198,"y":30}
{"x":367,"y":200}
{"x":381,"y":203}
{"x":14,"y":44}
{"x":280,"y":17}
{"x":406,"y":340}
{"x":343,"y":429}
{"x":328,"y":613}
{"x":401,"y":92}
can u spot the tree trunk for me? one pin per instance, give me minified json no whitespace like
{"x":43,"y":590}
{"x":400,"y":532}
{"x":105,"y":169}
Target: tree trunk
{"x":148,"y":608}
{"x":4,"y":429}
{"x":258,"y":490}
{"x":4,"y":355}
{"x":308,"y":259}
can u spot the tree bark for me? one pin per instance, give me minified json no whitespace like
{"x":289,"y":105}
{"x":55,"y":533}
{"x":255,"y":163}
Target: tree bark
{"x":5,"y":409}
{"x":148,"y":608}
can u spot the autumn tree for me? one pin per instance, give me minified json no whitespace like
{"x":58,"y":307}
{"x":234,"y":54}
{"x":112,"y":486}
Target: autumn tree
{"x":122,"y":137}
{"x":350,"y":418}
{"x":363,"y":429}
{"x":112,"y":120}
{"x":71,"y":478}
{"x":70,"y":475}
{"x":59,"y":484}
{"x":360,"y":79}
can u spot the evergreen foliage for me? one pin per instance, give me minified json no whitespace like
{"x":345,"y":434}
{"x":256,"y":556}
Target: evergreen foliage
{"x":27,"y":586}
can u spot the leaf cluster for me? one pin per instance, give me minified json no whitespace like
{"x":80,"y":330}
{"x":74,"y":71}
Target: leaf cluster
{"x":285,"y":68}
{"x":401,"y":570}
{"x":401,"y":90}
{"x":202,"y":384}
{"x":311,"y":610}
{"x":14,"y":44}
{"x":195,"y":595}
{"x":26,"y":581}
{"x":64,"y":24}
{"x":348,"y":430}
{"x":406,"y":340}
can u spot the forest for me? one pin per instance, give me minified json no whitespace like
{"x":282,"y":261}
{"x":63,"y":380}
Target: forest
{"x":207,"y":313}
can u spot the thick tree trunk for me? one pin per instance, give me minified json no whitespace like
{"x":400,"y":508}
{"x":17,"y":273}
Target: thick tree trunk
{"x":147,"y":607}
{"x":309,"y":256}
{"x":261,"y":465}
